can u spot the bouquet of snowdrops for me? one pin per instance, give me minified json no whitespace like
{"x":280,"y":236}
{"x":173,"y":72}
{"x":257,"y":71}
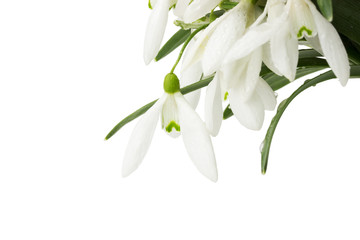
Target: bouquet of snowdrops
{"x":242,"y":51}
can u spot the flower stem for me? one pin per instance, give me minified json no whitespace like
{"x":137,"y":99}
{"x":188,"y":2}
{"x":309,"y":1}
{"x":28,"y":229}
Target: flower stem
{"x":185,"y":45}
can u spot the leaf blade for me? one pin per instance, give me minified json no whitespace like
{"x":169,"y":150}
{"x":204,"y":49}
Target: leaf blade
{"x":175,"y":41}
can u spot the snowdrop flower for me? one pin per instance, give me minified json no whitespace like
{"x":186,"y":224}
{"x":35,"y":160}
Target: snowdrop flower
{"x":177,"y":117}
{"x":250,"y":112}
{"x":309,"y":22}
{"x":249,"y":95}
{"x":216,"y":40}
{"x":280,"y":34}
{"x":156,"y":27}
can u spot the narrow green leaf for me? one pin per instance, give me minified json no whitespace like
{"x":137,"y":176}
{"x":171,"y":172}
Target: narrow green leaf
{"x":195,"y":86}
{"x":129,"y":118}
{"x":176,"y":40}
{"x":355,"y":73}
{"x":326,"y":9}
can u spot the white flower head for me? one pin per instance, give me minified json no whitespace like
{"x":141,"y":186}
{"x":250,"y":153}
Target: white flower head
{"x":250,"y":112}
{"x":177,"y":117}
{"x":299,"y":19}
{"x":215,"y":41}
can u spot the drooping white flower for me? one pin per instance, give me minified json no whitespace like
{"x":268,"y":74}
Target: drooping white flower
{"x":250,"y":112}
{"x":329,"y":39}
{"x":238,"y":75}
{"x":249,"y":95}
{"x":279,"y":35}
{"x":215,"y":41}
{"x":156,"y":27}
{"x":177,"y":117}
{"x":306,"y":21}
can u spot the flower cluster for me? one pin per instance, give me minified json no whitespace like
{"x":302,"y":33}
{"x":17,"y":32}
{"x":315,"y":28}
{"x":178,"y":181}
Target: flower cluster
{"x":233,"y":46}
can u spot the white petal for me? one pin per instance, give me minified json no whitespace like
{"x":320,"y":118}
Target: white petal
{"x":224,"y":36}
{"x":284,"y":51}
{"x":332,"y":47}
{"x":252,"y":40}
{"x":141,"y":138}
{"x":196,"y":50}
{"x":232,"y":73}
{"x":170,"y":122}
{"x":266,"y":94}
{"x":249,"y":113}
{"x":213,"y":106}
{"x":181,"y":7}
{"x":198,"y":8}
{"x":314,"y":43}
{"x":252,"y":73}
{"x":268,"y":59}
{"x":190,"y":76}
{"x":275,"y":9}
{"x":196,"y":139}
{"x":155,"y":30}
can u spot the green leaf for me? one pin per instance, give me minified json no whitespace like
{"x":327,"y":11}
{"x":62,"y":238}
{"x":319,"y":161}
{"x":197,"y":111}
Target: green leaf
{"x":346,"y":18}
{"x":355,"y":73}
{"x":195,"y":86}
{"x":227,"y":5}
{"x":308,"y":53}
{"x":352,"y":49}
{"x":326,"y":9}
{"x":176,"y":40}
{"x":129,"y":118}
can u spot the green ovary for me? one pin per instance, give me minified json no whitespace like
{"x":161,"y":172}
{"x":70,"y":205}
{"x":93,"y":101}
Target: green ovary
{"x":302,"y":29}
{"x":172,"y":125}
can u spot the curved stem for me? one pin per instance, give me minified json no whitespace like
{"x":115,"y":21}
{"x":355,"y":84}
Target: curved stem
{"x":185,"y":45}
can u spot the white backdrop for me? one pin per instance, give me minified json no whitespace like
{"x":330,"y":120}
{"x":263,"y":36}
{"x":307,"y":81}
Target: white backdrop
{"x":70,"y":70}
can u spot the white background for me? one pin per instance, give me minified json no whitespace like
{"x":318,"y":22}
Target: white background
{"x":70,"y":70}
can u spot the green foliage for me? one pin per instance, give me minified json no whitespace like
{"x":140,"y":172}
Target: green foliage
{"x":175,"y":41}
{"x":326,"y":9}
{"x":355,"y":73}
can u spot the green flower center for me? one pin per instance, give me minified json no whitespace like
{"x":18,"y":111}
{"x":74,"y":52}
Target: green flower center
{"x":304,"y":29}
{"x":172,"y":125}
